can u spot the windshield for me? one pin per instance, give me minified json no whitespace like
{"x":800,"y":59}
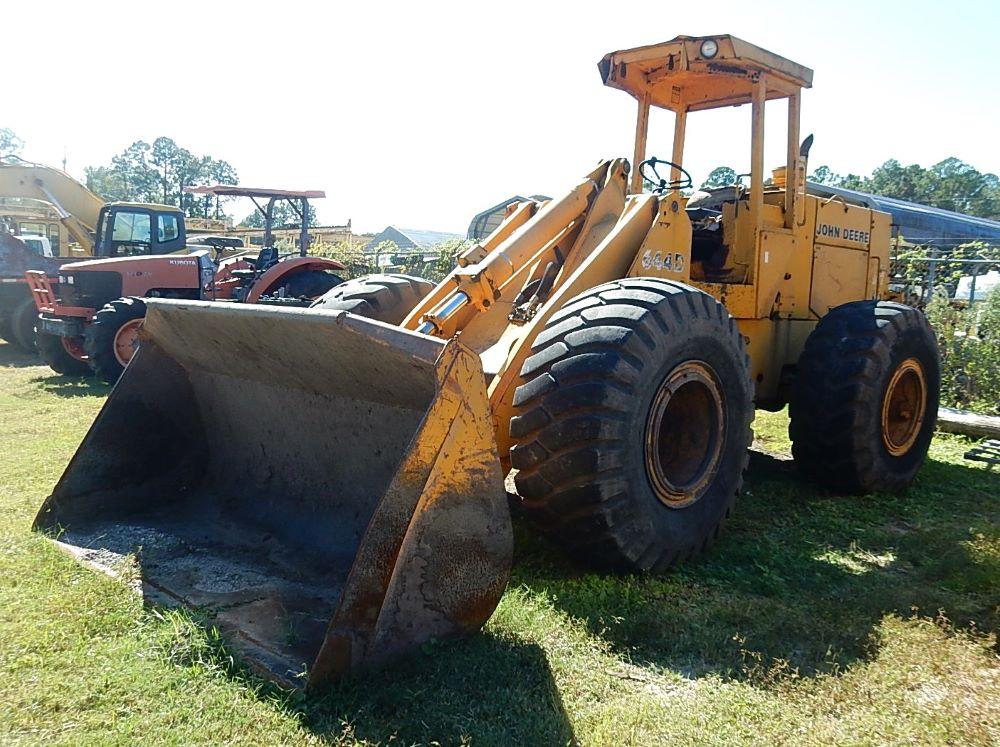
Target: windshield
{"x":131,"y":233}
{"x":131,"y":227}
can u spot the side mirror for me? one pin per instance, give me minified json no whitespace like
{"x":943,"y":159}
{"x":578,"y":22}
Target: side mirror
{"x":807,"y":144}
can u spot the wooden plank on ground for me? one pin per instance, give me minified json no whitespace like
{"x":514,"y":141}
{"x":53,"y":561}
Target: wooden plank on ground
{"x":968,"y":423}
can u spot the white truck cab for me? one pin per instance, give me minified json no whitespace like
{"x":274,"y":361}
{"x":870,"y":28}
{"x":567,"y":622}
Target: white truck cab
{"x":40,"y":245}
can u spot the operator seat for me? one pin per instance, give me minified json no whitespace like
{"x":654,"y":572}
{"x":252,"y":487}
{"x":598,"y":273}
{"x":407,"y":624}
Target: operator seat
{"x":268,"y":256}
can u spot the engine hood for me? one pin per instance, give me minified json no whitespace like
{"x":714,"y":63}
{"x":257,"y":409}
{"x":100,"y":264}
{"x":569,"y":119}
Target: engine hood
{"x":130,"y":263}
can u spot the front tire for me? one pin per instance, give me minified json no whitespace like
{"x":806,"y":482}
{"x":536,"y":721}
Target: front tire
{"x":865,"y":399}
{"x":63,"y":355}
{"x":311,"y":284}
{"x":112,"y":337}
{"x":633,"y":425}
{"x":387,"y":297}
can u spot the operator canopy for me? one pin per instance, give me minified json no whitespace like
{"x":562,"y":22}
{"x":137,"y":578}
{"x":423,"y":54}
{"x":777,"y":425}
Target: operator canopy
{"x":690,"y":73}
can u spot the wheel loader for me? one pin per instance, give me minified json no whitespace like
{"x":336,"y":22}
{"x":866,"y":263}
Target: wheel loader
{"x":327,"y":484}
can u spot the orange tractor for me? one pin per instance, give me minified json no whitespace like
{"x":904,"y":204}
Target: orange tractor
{"x":90,"y":318}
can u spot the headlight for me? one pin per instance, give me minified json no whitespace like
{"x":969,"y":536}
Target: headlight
{"x":709,"y":48}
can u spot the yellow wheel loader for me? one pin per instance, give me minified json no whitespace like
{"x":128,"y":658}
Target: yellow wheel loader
{"x":329,"y":488}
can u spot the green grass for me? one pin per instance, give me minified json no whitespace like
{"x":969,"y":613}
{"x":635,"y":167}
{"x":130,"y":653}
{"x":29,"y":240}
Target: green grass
{"x":816,"y":619}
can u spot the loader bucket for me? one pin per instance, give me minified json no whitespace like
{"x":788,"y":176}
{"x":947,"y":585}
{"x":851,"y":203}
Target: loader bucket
{"x":325,"y":488}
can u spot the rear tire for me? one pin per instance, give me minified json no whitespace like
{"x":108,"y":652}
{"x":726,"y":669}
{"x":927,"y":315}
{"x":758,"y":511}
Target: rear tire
{"x":387,"y":298}
{"x":52,"y":351}
{"x":311,"y":284}
{"x":633,"y":425}
{"x":864,"y":403}
{"x":22,"y":325}
{"x":108,"y":352}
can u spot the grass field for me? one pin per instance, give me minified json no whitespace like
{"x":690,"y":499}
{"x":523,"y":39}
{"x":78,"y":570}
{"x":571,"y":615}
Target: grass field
{"x":816,"y":619}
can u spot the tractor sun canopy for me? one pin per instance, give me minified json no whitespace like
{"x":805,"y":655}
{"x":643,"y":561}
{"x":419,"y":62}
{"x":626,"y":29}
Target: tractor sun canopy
{"x":297,"y":199}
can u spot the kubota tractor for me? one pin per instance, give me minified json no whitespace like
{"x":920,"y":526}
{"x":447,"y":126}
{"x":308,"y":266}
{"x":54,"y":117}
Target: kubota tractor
{"x":341,"y":499}
{"x":90,"y":319}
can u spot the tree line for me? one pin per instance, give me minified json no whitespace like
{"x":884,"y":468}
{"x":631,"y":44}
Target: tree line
{"x":159,"y":172}
{"x":950,"y":184}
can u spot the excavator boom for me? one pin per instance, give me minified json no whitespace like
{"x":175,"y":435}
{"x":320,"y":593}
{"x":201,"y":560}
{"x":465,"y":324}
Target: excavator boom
{"x":77,"y":206}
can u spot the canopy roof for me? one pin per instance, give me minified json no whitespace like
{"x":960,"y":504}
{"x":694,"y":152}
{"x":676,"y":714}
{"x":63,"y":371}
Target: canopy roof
{"x":145,"y":206}
{"x":678,"y":76}
{"x":231,"y":190}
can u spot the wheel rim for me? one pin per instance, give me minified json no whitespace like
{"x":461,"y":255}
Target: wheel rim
{"x":904,"y":407}
{"x":127,"y":340}
{"x":685,"y":433}
{"x":74,"y":348}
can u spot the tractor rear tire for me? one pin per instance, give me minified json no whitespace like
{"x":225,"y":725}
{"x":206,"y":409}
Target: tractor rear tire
{"x":387,"y":298}
{"x":105,"y":339}
{"x":22,"y":325}
{"x":632,"y":428}
{"x":52,"y":350}
{"x":865,"y":398}
{"x":311,"y":284}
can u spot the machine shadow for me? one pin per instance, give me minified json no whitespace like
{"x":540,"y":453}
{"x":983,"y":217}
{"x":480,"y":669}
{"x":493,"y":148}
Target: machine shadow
{"x":51,"y":382}
{"x":484,"y":689}
{"x":13,"y":357}
{"x":799,"y":581}
{"x":72,"y":386}
{"x":481,"y":690}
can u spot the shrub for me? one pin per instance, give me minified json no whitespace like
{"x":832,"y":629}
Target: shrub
{"x":409,"y":262}
{"x":969,"y":339}
{"x":909,"y":267}
{"x":348,"y":253}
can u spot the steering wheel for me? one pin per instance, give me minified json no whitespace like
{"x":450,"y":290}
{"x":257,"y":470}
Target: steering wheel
{"x":663,"y":185}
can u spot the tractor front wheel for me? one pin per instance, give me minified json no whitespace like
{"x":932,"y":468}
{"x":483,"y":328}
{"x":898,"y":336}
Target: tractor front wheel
{"x":864,"y":403}
{"x":633,"y":425}
{"x":113,"y":337}
{"x":64,"y":355}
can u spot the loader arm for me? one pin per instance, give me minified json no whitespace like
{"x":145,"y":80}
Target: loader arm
{"x":77,"y":206}
{"x":479,"y":295}
{"x":587,"y":237}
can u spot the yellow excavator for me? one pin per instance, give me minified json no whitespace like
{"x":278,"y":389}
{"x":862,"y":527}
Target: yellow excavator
{"x":328,"y":483}
{"x":77,"y":207}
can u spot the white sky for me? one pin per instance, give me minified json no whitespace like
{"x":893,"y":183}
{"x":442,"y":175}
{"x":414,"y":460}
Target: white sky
{"x":420,"y":114}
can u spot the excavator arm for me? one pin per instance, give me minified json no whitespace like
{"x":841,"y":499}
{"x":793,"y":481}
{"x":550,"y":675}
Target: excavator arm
{"x":77,"y":206}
